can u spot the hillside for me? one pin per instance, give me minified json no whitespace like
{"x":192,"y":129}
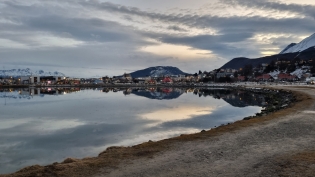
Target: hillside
{"x":304,"y":50}
{"x":28,"y":72}
{"x":238,"y":63}
{"x":157,"y":71}
{"x":303,"y":45}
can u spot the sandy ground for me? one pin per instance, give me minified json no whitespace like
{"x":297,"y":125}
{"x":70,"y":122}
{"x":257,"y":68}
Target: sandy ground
{"x":267,"y":149}
{"x":279,"y":144}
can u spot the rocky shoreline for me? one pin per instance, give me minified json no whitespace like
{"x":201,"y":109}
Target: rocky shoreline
{"x":279,"y":101}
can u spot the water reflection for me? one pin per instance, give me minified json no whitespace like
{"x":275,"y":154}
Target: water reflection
{"x":45,"y":125}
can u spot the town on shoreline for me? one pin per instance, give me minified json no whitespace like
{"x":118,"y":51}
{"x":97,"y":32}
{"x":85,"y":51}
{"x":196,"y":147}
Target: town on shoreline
{"x":201,"y":79}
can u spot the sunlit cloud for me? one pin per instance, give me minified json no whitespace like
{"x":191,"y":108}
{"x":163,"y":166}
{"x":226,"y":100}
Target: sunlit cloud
{"x":176,"y":51}
{"x":55,"y":41}
{"x":267,"y":53}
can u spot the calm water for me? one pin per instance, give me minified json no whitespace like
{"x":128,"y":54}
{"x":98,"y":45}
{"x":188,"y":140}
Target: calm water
{"x":48,"y":125}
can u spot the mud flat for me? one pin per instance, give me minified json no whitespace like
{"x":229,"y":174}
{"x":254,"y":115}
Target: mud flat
{"x":279,"y":142}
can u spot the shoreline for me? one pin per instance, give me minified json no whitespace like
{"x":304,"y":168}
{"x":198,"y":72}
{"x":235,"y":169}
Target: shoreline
{"x":214,"y":85}
{"x":113,"y":156}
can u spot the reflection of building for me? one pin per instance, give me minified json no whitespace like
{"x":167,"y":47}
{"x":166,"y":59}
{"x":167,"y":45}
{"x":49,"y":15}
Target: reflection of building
{"x":46,"y":91}
{"x":34,"y":79}
{"x":34,"y":91}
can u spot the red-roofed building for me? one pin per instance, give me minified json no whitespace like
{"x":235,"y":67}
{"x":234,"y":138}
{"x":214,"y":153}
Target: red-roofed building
{"x":152,"y":81}
{"x":241,"y":78}
{"x":286,"y":77}
{"x":264,"y":77}
{"x":167,"y":80}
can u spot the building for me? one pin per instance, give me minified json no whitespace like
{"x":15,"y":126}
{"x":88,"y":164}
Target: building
{"x":264,"y":77}
{"x":167,"y":80}
{"x":287,"y":77}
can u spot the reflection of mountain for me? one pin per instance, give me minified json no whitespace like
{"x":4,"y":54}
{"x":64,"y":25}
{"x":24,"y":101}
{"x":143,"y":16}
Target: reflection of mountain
{"x":244,"y":100}
{"x":235,"y":98}
{"x":159,"y":93}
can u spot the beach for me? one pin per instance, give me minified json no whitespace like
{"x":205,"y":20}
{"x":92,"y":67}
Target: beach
{"x":278,"y":144}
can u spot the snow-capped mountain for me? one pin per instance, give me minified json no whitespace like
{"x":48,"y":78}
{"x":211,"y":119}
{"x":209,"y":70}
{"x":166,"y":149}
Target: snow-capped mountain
{"x":289,"y":46}
{"x":28,"y":72}
{"x":157,"y":71}
{"x":303,"y":45}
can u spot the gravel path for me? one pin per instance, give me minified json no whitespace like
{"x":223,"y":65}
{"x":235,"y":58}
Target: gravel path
{"x":250,"y":151}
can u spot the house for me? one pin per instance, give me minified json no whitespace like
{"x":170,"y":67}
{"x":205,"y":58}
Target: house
{"x":127,"y":77}
{"x":167,"y":80}
{"x":287,"y":77}
{"x":152,"y":81}
{"x":264,"y":77}
{"x":310,"y":80}
{"x":224,"y":74}
{"x":98,"y":82}
{"x":106,"y":79}
{"x":241,"y":78}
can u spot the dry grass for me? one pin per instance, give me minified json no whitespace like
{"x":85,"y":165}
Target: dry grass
{"x":113,"y":156}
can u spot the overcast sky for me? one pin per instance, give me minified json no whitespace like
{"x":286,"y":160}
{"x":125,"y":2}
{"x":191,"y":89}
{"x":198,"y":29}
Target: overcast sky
{"x":86,"y":38}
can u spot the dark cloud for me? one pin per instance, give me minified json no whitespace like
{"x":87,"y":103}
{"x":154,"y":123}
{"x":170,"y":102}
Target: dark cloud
{"x":176,"y":28}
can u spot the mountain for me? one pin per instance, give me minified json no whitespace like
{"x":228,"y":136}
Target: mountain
{"x":288,"y":47}
{"x":307,"y":43}
{"x":238,"y":63}
{"x":28,"y":72}
{"x":157,"y":71}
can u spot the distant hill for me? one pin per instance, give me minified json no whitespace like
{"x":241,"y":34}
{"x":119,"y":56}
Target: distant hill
{"x":157,"y":71}
{"x":28,"y":72}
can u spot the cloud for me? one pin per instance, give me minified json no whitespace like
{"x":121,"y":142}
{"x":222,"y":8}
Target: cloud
{"x":92,"y":34}
{"x":176,"y":28}
{"x":302,"y":9}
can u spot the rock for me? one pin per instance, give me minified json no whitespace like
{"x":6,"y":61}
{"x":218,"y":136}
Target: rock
{"x":69,"y":160}
{"x":203,"y":131}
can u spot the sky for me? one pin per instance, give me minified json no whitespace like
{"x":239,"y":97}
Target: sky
{"x":89,"y":38}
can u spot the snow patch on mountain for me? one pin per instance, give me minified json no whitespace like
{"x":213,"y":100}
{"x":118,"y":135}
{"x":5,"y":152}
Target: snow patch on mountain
{"x":157,"y":71}
{"x":303,"y":45}
{"x":299,"y":72}
{"x":28,"y":72}
{"x":288,"y":47}
{"x":274,"y":74}
{"x":160,"y":71}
